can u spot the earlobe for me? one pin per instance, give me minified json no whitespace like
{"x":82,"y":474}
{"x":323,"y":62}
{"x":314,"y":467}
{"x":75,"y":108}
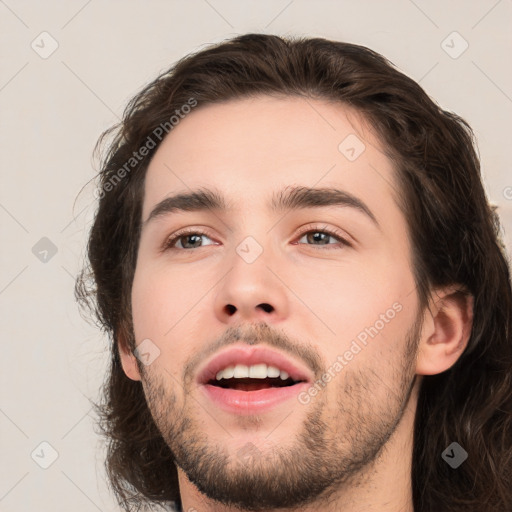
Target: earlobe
{"x":128,"y":361}
{"x":449,"y":328}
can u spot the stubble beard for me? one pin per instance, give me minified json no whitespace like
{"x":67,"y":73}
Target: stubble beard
{"x":330,"y":452}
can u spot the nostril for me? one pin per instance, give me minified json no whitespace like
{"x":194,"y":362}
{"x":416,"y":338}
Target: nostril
{"x":266,"y":307}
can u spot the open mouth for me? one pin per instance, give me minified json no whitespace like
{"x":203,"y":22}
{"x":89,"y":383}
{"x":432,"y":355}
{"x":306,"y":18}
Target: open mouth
{"x":246,"y":380}
{"x":249,"y":384}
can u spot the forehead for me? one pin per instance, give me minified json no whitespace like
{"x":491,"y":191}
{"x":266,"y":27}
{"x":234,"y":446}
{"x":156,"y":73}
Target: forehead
{"x":253,"y":148}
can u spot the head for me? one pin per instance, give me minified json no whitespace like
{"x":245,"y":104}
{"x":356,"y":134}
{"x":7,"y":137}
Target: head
{"x":416,"y":286}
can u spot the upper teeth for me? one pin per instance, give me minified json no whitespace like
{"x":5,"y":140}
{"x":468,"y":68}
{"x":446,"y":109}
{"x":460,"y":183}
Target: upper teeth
{"x":256,"y":371}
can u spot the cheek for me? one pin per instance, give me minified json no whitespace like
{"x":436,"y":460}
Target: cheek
{"x":147,"y":300}
{"x":161,"y":297}
{"x":352,"y":294}
{"x":363,"y":311}
{"x":167,"y":309}
{"x":366,"y":362}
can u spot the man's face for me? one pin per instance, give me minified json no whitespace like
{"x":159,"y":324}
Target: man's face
{"x":341,"y":314}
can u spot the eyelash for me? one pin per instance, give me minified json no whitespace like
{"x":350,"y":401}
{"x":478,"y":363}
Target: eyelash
{"x":169,"y":243}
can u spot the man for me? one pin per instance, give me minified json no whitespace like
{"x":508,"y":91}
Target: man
{"x":309,"y":303}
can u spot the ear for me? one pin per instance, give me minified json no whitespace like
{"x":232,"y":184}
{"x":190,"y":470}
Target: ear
{"x":446,"y":330}
{"x":128,"y":360}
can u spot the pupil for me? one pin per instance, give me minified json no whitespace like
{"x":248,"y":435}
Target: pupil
{"x":189,"y":237}
{"x":315,"y":237}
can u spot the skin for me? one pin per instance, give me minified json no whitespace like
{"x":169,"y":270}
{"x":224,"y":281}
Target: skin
{"x":350,"y":447}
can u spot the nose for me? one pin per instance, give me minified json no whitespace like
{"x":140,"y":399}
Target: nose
{"x":252,"y":292}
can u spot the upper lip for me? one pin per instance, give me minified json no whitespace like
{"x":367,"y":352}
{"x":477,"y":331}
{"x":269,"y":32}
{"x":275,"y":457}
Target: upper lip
{"x":249,"y":355}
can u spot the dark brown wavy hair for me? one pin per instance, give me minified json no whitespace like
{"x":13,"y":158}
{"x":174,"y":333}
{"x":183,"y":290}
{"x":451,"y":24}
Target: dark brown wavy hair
{"x":454,"y":231}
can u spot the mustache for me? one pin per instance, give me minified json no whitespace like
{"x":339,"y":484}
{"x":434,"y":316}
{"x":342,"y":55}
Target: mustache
{"x":254,"y":334}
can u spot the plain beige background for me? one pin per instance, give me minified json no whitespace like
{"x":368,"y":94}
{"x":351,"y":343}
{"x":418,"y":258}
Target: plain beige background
{"x":53,"y":108}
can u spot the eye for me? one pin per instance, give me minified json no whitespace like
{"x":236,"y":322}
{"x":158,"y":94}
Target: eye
{"x":312,"y":236}
{"x":189,"y":236}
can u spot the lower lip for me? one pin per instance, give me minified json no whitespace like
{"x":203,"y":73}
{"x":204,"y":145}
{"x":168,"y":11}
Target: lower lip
{"x":251,"y":402}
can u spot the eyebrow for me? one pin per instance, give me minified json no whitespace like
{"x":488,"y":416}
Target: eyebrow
{"x":290,"y":198}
